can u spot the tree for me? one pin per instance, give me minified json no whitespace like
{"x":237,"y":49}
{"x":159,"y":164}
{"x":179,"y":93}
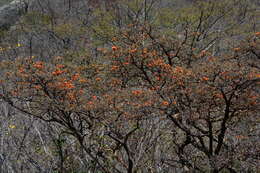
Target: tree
{"x":147,"y":95}
{"x":205,"y":97}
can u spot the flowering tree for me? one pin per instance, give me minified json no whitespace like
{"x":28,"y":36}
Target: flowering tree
{"x":152,"y":98}
{"x":206,"y":97}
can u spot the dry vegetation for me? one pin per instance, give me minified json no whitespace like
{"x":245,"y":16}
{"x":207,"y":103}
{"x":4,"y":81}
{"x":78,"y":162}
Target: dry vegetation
{"x":131,"y":86}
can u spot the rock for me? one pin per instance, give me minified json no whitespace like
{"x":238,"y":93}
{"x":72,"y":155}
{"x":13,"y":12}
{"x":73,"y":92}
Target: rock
{"x":10,"y":13}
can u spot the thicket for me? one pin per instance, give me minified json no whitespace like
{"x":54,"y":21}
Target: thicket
{"x":131,"y":86}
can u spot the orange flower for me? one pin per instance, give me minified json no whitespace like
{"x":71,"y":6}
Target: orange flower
{"x":154,"y":53}
{"x":75,"y":76}
{"x":81,"y":91}
{"x":205,"y":78}
{"x":38,"y":65}
{"x":69,"y":85}
{"x":66,"y":85}
{"x":60,"y":66}
{"x":100,"y":49}
{"x":254,"y":102}
{"x":218,"y":95}
{"x":37,"y":87}
{"x":90,"y":103}
{"x":21,"y":70}
{"x":237,"y":49}
{"x":58,"y":72}
{"x":132,"y":50}
{"x":114,"y":48}
{"x":150,"y":64}
{"x":114,"y":39}
{"x":195,"y":33}
{"x":98,"y":79}
{"x":114,"y":67}
{"x":224,"y":73}
{"x":257,"y":75}
{"x":71,"y":96}
{"x":137,"y":92}
{"x":145,"y":50}
{"x":147,"y":103}
{"x":257,"y":34}
{"x":83,"y":80}
{"x":165,"y":103}
{"x":240,"y":137}
{"x":178,"y":69}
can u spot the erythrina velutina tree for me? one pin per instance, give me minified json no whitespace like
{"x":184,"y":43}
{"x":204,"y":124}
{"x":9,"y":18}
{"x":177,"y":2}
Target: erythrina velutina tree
{"x":153,"y":98}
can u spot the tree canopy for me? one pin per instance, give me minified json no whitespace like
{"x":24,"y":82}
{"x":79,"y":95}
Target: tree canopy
{"x":133,"y":86}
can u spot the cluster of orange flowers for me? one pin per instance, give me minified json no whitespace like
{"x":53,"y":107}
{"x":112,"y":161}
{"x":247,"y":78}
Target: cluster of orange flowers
{"x":60,"y":66}
{"x":38,"y":65}
{"x":114,"y":67}
{"x":241,"y":137}
{"x":91,"y":103}
{"x":137,"y":92}
{"x":75,"y":76}
{"x":218,"y":95}
{"x":133,"y":50}
{"x":160,"y":62}
{"x":58,"y":72}
{"x":145,"y":50}
{"x":83,"y":80}
{"x":178,"y":69}
{"x":156,"y":62}
{"x":66,"y":85}
{"x":38,"y":87}
{"x":71,"y":96}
